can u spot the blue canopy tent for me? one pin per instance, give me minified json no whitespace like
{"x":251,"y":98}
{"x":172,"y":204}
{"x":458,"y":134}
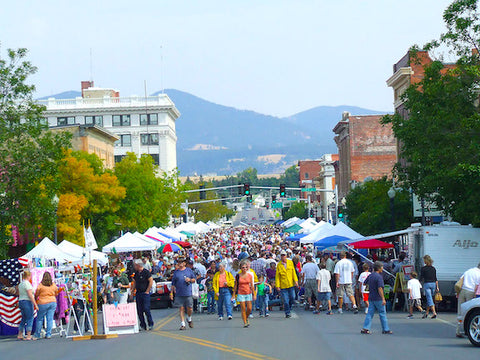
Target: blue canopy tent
{"x":296,"y":237}
{"x":329,"y":241}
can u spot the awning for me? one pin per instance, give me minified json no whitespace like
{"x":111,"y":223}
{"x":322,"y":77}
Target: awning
{"x":370,"y":244}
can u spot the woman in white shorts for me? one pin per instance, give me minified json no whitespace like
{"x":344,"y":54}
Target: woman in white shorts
{"x":245,"y":292}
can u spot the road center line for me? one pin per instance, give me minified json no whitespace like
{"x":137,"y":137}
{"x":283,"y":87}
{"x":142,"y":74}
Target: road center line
{"x":218,"y":346}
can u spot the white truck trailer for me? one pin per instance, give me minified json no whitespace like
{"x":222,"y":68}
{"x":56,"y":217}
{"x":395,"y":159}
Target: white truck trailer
{"x":454,"y":248}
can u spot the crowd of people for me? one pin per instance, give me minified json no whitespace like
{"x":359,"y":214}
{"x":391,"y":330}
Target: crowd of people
{"x":253,"y":269}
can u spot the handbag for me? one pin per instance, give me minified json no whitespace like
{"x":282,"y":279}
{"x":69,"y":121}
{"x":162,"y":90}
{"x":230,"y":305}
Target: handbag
{"x":438,"y":297}
{"x":459,"y":285}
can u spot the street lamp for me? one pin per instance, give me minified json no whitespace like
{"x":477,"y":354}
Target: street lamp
{"x":55,"y":202}
{"x":391,"y":194}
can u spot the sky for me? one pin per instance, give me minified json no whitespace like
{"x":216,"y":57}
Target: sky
{"x":272,"y":56}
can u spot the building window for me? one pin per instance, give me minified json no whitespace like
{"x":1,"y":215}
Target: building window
{"x":94,"y":120}
{"x":125,"y":140}
{"x":306,"y":175}
{"x":156,"y":158}
{"x":149,"y":139}
{"x":66,"y":120}
{"x":119,"y":158}
{"x":121,"y":120}
{"x":148,"y":119}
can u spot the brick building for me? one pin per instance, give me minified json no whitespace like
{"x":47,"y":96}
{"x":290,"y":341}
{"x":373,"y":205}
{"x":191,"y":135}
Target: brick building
{"x":366,"y":148}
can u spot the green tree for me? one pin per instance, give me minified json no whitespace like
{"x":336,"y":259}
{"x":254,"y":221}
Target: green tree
{"x":96,"y":192}
{"x":248,"y":176}
{"x":151,"y":196}
{"x":368,"y":208}
{"x":291,"y":177}
{"x":298,"y":209}
{"x":440,"y":138}
{"x":29,"y":155}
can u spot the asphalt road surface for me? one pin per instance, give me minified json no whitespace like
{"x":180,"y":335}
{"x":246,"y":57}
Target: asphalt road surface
{"x":304,"y":336}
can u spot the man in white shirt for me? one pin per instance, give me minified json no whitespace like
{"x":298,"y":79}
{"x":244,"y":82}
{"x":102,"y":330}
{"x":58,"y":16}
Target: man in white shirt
{"x":344,"y":275}
{"x":309,"y":278}
{"x":471,"y":278}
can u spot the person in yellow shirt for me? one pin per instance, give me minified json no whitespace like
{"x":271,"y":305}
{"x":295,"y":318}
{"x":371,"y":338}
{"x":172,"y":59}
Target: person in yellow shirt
{"x":223,"y":281}
{"x":285,"y":281}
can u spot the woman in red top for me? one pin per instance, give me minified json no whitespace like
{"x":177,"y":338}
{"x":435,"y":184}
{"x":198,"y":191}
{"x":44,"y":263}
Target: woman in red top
{"x":245,"y":292}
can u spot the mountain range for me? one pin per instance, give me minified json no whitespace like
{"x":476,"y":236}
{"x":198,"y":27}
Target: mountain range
{"x":222,"y":140}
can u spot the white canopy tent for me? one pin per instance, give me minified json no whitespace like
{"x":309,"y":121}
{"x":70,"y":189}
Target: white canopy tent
{"x":188,"y":227}
{"x":212,"y":225}
{"x":80,"y":252}
{"x":314,"y":228}
{"x":203,"y":227}
{"x":317,"y":234}
{"x":128,"y":242}
{"x":46,"y":249}
{"x":153,"y":232}
{"x":157,"y":243}
{"x":173,"y":233}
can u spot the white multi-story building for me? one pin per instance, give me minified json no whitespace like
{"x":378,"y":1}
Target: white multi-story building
{"x":143,"y":125}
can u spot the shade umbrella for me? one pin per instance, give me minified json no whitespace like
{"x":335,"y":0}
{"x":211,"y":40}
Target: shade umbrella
{"x":183,"y":244}
{"x":172,"y":247}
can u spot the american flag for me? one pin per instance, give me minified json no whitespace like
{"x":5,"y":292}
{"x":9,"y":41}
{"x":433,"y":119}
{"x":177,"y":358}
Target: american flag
{"x":9,"y":311}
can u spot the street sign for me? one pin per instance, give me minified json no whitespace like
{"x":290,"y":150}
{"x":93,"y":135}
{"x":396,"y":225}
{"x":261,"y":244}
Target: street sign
{"x":277,"y":206}
{"x":291,"y":199}
{"x":308,"y":189}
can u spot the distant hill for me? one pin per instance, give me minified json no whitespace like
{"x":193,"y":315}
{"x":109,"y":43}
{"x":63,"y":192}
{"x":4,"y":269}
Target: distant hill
{"x":222,"y":140}
{"x":326,"y":116}
{"x":72,"y":94}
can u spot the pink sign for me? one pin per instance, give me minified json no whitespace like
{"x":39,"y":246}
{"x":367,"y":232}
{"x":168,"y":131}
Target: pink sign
{"x":121,"y":315}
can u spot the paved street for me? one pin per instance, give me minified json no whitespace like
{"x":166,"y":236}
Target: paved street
{"x":305,"y":336}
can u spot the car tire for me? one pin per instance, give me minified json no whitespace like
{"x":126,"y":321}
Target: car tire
{"x":473,"y":328}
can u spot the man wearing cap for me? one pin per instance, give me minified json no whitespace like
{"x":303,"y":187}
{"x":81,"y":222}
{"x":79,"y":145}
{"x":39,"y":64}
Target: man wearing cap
{"x":182,"y":281}
{"x":142,"y":283}
{"x":285,"y":281}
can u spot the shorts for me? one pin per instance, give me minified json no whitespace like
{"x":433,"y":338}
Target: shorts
{"x":244,"y":298}
{"x":365,"y":296}
{"x":183,"y":301}
{"x":414,"y":302}
{"x":324,"y":296}
{"x":344,"y":289}
{"x":310,"y":287}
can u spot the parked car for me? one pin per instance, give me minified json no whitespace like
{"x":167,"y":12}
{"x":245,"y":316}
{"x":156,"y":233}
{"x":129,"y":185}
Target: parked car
{"x":470,"y":319}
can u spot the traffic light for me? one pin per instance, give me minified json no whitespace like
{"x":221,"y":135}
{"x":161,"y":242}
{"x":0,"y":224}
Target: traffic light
{"x":312,"y":213}
{"x":246,"y":189}
{"x":250,"y":199}
{"x":340,"y":214}
{"x":274,"y":199}
{"x":203,"y":194}
{"x":282,"y":190}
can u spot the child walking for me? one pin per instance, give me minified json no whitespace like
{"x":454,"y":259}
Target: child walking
{"x":263,"y":289}
{"x":361,"y":279}
{"x":414,"y":296}
{"x":210,"y":293}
